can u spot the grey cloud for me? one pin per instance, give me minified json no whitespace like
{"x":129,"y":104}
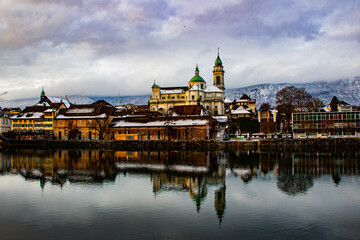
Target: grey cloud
{"x":74,"y":46}
{"x":271,"y":18}
{"x":95,"y":22}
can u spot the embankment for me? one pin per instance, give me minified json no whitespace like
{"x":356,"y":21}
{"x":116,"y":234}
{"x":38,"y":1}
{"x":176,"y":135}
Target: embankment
{"x":268,"y":145}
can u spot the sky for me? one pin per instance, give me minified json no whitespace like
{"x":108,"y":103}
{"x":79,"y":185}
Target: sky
{"x":119,"y":47}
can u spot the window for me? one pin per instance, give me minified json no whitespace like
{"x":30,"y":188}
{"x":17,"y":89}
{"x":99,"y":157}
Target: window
{"x":202,"y":86}
{"x":217,"y":80}
{"x":80,"y":122}
{"x":60,"y":122}
{"x":193,"y":97}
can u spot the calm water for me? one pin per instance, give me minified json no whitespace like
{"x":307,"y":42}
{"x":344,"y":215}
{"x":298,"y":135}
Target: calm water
{"x":61,"y":194}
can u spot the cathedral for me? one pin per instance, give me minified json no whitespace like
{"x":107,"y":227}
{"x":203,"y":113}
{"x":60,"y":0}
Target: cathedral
{"x":197,"y":92}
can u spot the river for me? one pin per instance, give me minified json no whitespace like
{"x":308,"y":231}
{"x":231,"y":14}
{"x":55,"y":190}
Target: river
{"x":100,"y":194}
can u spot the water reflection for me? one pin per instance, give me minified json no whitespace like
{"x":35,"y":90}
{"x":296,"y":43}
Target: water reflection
{"x":179,"y":170}
{"x":295,"y":172}
{"x":169,"y":171}
{"x":157,"y":191}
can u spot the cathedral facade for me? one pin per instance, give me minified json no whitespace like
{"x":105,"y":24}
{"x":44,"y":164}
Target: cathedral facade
{"x":197,"y":92}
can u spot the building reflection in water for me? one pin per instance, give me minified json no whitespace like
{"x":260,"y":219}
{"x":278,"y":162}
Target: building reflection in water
{"x":294,"y":172}
{"x":187,"y":171}
{"x":168,"y":170}
{"x":193,"y":172}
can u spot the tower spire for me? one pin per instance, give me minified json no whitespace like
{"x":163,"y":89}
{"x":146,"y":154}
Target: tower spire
{"x":197,"y":70}
{"x":42,"y":94}
{"x":119,"y":99}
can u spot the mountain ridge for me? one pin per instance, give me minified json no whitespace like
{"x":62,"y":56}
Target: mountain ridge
{"x":345,"y":89}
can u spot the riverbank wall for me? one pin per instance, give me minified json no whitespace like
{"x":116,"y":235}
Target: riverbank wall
{"x":268,"y":145}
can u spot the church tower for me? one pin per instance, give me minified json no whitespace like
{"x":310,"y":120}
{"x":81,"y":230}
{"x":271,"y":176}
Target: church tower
{"x":219,"y":73}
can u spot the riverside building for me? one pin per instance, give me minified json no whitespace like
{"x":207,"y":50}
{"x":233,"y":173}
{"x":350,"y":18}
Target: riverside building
{"x":197,"y":92}
{"x":326,"y":124}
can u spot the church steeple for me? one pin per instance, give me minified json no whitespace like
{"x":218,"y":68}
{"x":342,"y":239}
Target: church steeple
{"x":42,"y":94}
{"x":197,"y":70}
{"x":218,"y":73}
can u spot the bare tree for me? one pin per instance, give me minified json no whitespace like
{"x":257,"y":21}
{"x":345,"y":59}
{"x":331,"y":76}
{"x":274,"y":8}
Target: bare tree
{"x":285,"y":99}
{"x":72,"y":129}
{"x":301,"y":99}
{"x":327,"y":126}
{"x":290,"y":99}
{"x":265,"y":107}
{"x":100,"y":125}
{"x":315,"y":105}
{"x":267,"y":127}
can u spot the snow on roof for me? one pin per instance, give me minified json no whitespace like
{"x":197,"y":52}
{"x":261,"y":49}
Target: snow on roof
{"x":161,"y":167}
{"x":28,"y":115}
{"x":220,"y":118}
{"x":59,"y":100}
{"x":43,"y":104}
{"x":61,"y":116}
{"x":245,"y":100}
{"x":195,"y":88}
{"x":162,"y":123}
{"x":227,"y":100}
{"x":171,"y":91}
{"x":212,"y":89}
{"x":240,"y":110}
{"x":241,"y":172}
{"x":80,"y":110}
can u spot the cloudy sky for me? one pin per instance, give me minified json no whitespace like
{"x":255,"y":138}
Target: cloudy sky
{"x":107,"y":47}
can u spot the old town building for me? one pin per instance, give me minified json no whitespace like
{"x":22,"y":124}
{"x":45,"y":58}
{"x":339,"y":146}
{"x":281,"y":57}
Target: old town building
{"x":84,"y":122}
{"x":163,"y":128}
{"x":37,"y":120}
{"x":197,"y":92}
{"x":244,"y":107}
{"x":5,"y":125}
{"x":324,"y":124}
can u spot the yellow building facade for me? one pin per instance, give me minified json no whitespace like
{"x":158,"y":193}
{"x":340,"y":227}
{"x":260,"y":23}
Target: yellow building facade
{"x":197,"y":92}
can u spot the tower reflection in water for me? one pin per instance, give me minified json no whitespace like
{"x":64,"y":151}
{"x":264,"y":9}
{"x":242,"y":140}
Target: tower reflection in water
{"x":168,"y":170}
{"x":180,"y":171}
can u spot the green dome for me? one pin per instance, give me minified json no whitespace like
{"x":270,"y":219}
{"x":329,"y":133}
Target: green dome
{"x":218,"y":62}
{"x":197,"y":79}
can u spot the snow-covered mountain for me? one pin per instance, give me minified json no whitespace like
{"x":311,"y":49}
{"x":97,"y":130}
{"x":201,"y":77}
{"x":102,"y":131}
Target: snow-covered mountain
{"x":347,"y":90}
{"x":22,"y":103}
